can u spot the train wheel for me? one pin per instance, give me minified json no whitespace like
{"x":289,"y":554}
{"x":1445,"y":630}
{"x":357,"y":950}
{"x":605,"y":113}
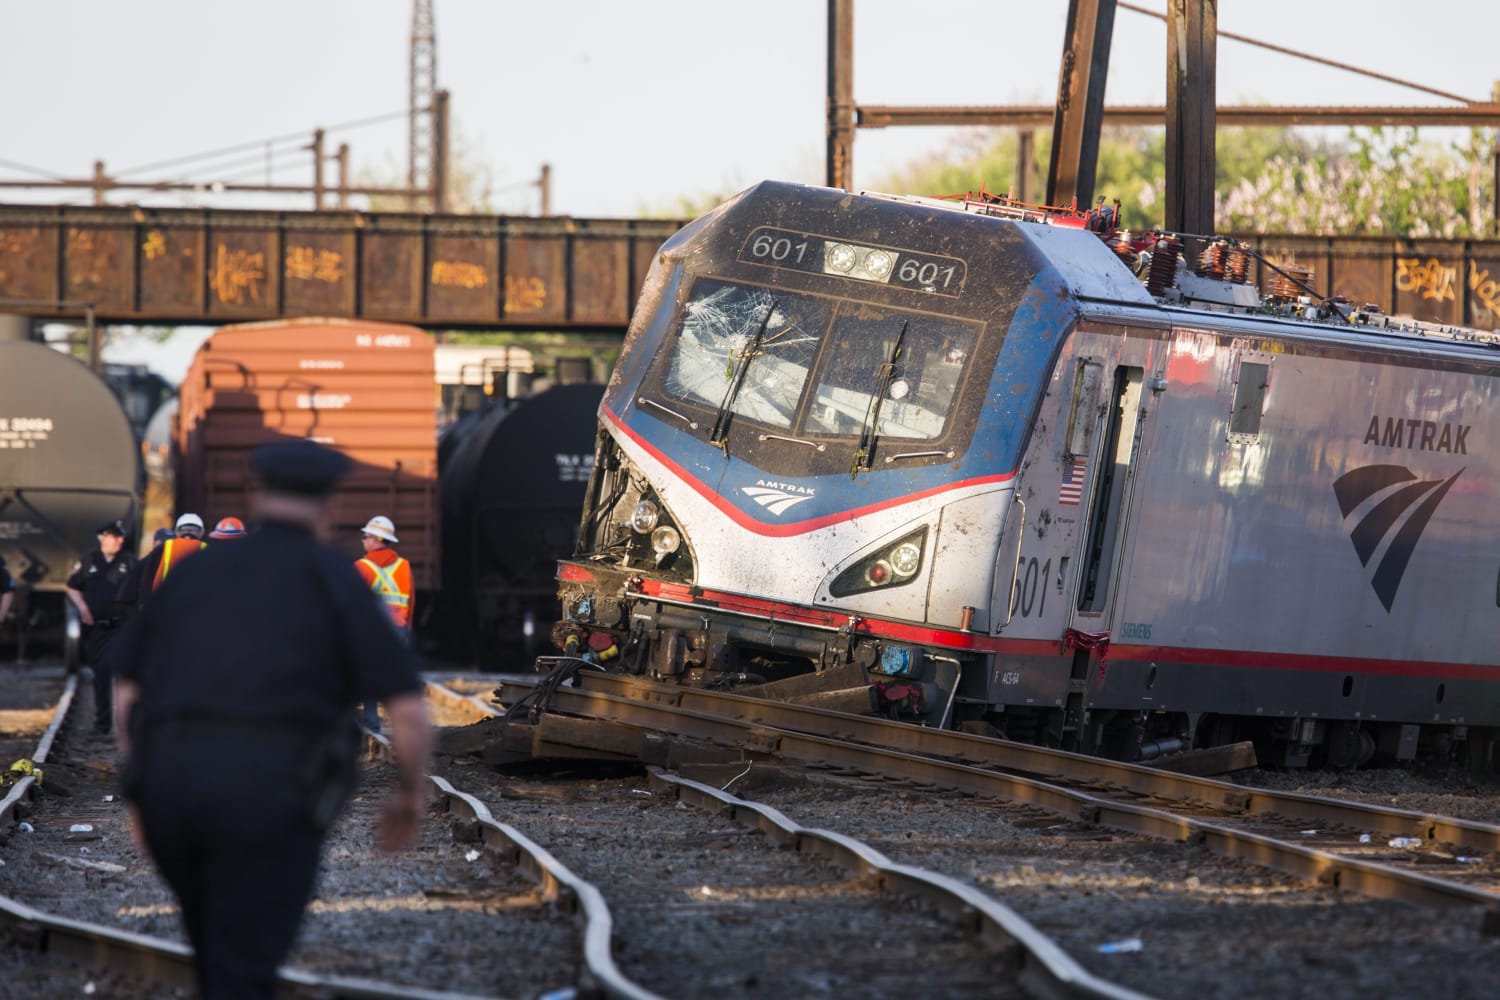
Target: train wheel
{"x":72,"y":637}
{"x":1480,"y":752}
{"x":1348,"y":746}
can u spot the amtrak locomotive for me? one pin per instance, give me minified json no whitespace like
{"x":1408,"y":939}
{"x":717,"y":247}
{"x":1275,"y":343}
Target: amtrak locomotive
{"x":972,"y":462}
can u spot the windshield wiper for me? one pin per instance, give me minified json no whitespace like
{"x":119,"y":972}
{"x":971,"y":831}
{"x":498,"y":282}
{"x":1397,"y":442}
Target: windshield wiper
{"x":864,"y":456}
{"x":722,"y":418}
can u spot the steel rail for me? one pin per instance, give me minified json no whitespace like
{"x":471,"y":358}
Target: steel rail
{"x":1044,"y":762}
{"x":1362,"y":876}
{"x":21,"y":791}
{"x":155,"y":958}
{"x":171,"y":962}
{"x":556,"y":881}
{"x":1045,"y":968}
{"x":470,"y":703}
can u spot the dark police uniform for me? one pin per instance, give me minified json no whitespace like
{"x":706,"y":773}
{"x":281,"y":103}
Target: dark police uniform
{"x":250,"y":659}
{"x":7,"y":584}
{"x":98,"y":579}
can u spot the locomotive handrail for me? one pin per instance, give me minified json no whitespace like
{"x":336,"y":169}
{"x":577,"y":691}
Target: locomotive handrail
{"x":643,"y":401}
{"x":1015,"y":569}
{"x":919,"y":454}
{"x":782,"y":437}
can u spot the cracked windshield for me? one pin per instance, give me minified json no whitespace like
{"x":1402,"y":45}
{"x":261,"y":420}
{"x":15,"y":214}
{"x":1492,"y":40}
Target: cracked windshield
{"x":775,"y":339}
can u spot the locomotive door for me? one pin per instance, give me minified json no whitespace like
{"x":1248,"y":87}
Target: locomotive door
{"x":1103,"y":538}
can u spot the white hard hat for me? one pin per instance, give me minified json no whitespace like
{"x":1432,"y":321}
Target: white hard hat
{"x":190,"y":521}
{"x":381,"y":527}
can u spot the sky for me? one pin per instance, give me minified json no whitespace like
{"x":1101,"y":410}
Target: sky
{"x":637,"y":105}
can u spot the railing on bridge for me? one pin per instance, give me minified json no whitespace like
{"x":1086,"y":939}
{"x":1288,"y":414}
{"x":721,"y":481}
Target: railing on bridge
{"x":218,"y":266}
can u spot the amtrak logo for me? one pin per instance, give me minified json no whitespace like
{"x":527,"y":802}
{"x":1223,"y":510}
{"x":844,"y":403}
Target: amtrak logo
{"x":778,"y":498}
{"x":1401,"y":515}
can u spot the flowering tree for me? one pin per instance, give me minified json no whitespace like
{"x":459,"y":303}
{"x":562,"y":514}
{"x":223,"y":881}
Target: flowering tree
{"x":1371,"y":182}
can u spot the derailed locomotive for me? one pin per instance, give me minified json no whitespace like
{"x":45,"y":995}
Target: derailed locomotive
{"x":976,"y":464}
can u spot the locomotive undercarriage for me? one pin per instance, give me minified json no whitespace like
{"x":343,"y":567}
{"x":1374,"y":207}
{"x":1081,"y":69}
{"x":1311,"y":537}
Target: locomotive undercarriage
{"x":607,"y":622}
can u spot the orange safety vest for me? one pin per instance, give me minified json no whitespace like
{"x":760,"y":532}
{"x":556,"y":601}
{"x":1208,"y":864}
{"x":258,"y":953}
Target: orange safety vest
{"x":392,"y":584}
{"x":173,"y":554}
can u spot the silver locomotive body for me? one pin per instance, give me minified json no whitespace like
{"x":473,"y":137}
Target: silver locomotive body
{"x":968,"y":468}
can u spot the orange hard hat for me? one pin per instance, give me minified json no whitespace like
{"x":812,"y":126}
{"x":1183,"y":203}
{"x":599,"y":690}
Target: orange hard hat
{"x":228,"y":527}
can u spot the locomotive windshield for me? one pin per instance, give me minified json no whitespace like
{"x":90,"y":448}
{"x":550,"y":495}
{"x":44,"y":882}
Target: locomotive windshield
{"x":754,"y":351}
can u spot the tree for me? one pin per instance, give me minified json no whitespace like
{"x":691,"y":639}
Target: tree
{"x":470,"y":184}
{"x":1386,"y":182}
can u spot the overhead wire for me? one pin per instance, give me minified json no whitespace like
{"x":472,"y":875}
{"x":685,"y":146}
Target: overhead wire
{"x":260,"y":162}
{"x":261,"y":144}
{"x":38,"y":171}
{"x":1309,"y":57}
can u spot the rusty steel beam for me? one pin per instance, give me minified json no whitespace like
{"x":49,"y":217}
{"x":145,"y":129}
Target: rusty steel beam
{"x":132,"y":264}
{"x":1080,"y":102}
{"x":1192,"y":75}
{"x":1477,"y":115}
{"x":840,"y":111}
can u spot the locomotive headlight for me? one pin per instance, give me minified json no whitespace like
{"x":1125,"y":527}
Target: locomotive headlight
{"x":894,"y":564}
{"x":643,"y":519}
{"x":906,"y":558}
{"x":878,"y":264}
{"x":839,"y":257}
{"x":852,"y":261}
{"x":665,"y":540}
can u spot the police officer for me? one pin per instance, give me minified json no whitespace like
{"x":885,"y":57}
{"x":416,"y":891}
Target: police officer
{"x":7,"y":592}
{"x":238,"y":685}
{"x":92,"y":588}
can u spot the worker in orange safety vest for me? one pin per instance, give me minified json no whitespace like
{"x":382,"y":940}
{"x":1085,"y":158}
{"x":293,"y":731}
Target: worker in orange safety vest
{"x":389,"y":576}
{"x":189,"y":541}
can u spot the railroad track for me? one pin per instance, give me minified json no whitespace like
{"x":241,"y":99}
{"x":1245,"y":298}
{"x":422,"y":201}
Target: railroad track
{"x":505,"y":872}
{"x":85,"y":904}
{"x":749,"y":902}
{"x":1378,"y":851}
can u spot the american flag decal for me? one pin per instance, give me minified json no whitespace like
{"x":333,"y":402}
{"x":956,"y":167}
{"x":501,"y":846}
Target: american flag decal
{"x":1071,"y":490}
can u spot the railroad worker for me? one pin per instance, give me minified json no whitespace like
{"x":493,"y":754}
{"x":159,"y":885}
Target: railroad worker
{"x":228,"y":527}
{"x":186,"y":540}
{"x":92,"y":587}
{"x":389,"y":577}
{"x":236,"y":712}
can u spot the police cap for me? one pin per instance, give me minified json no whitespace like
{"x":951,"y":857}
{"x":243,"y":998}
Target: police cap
{"x":303,"y":467}
{"x":115,"y":527}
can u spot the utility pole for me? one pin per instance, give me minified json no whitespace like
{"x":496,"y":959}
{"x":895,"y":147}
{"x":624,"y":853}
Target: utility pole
{"x":317,"y":152}
{"x":343,"y":161}
{"x":440,"y":152}
{"x":839,"y":164}
{"x":1192,"y":37}
{"x":422,"y":139}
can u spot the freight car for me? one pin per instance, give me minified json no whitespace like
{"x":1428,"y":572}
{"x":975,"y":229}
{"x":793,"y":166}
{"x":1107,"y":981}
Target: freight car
{"x":68,"y":463}
{"x":364,"y":388}
{"x":967,"y":464}
{"x":511,"y":485}
{"x":483,"y":511}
